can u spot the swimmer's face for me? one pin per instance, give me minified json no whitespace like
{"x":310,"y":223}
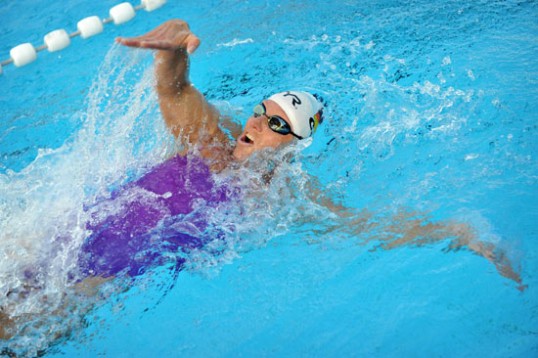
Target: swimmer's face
{"x":257,"y":135}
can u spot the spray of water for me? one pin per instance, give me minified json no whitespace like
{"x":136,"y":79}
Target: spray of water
{"x":43,"y":217}
{"x":377,"y":115}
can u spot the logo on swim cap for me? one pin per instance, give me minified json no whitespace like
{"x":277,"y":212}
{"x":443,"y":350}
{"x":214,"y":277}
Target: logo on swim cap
{"x":295,"y":99}
{"x":303,"y":110}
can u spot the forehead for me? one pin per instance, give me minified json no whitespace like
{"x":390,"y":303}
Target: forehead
{"x":274,"y":109}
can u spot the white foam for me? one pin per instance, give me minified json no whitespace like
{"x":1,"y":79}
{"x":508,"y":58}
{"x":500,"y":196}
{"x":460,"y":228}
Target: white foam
{"x":471,"y":156}
{"x":236,"y":42}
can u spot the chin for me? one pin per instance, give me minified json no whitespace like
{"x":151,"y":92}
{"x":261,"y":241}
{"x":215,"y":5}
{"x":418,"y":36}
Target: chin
{"x":240,"y":155}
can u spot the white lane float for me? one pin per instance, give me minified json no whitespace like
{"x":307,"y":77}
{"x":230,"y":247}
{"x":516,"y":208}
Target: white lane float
{"x":59,"y":39}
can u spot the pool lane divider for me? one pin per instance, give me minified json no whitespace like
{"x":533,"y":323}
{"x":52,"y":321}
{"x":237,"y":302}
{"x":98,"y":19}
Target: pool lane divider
{"x":57,"y":40}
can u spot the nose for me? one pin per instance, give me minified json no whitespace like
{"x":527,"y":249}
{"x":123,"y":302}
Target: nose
{"x":257,"y":123}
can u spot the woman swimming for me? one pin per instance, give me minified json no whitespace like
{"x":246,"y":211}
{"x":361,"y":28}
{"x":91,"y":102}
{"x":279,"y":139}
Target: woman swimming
{"x":131,"y":230}
{"x":124,"y":241}
{"x":163,"y":193}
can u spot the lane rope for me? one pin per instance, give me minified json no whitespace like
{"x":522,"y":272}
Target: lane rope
{"x":59,"y":39}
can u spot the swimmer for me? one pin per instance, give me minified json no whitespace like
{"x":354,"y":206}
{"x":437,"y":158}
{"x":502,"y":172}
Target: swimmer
{"x":277,"y":121}
{"x":117,"y":241}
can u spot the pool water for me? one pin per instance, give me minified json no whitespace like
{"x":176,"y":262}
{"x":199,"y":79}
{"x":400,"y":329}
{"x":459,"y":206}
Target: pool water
{"x":429,"y":113}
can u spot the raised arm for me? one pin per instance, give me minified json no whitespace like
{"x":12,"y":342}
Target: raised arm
{"x":185,"y":110}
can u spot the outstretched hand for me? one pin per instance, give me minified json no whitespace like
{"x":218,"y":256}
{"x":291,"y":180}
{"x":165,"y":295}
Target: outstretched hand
{"x":172,"y":35}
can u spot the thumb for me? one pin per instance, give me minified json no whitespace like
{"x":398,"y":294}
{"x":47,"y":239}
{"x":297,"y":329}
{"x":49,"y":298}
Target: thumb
{"x":192,"y":44}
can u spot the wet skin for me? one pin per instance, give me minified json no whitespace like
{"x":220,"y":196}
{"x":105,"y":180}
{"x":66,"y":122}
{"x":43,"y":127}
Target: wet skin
{"x":257,"y":135}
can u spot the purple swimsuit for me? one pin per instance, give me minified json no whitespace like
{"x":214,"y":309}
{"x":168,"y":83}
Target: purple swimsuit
{"x":132,"y":230}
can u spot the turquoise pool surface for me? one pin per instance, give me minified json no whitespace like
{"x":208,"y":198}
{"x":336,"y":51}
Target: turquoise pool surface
{"x":430,"y":115}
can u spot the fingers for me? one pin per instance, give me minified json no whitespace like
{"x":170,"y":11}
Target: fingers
{"x":153,"y":36}
{"x":171,"y":35}
{"x":140,"y":42}
{"x":131,"y":42}
{"x":192,"y":43}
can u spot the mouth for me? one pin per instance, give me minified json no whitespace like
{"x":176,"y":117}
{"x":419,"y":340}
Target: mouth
{"x":246,"y":139}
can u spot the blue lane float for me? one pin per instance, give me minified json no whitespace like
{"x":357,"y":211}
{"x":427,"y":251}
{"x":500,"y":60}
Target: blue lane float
{"x":59,"y":39}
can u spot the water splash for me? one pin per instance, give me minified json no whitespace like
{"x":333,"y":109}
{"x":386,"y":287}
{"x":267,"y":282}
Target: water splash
{"x":43,"y":221}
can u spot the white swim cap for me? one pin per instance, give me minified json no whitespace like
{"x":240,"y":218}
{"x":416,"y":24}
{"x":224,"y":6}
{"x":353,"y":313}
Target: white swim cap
{"x":303,"y":110}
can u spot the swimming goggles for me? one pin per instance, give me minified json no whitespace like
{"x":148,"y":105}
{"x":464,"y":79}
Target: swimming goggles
{"x":276,"y":123}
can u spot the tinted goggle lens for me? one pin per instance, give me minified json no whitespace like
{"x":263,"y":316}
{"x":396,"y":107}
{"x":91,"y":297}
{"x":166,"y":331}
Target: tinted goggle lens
{"x":278,"y":125}
{"x":259,"y":110}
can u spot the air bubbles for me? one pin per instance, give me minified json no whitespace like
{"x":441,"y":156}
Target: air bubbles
{"x":470,"y":74}
{"x":441,"y":78}
{"x":430,"y":88}
{"x":471,"y":156}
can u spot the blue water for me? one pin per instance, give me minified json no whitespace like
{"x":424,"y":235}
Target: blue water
{"x":430,"y":110}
